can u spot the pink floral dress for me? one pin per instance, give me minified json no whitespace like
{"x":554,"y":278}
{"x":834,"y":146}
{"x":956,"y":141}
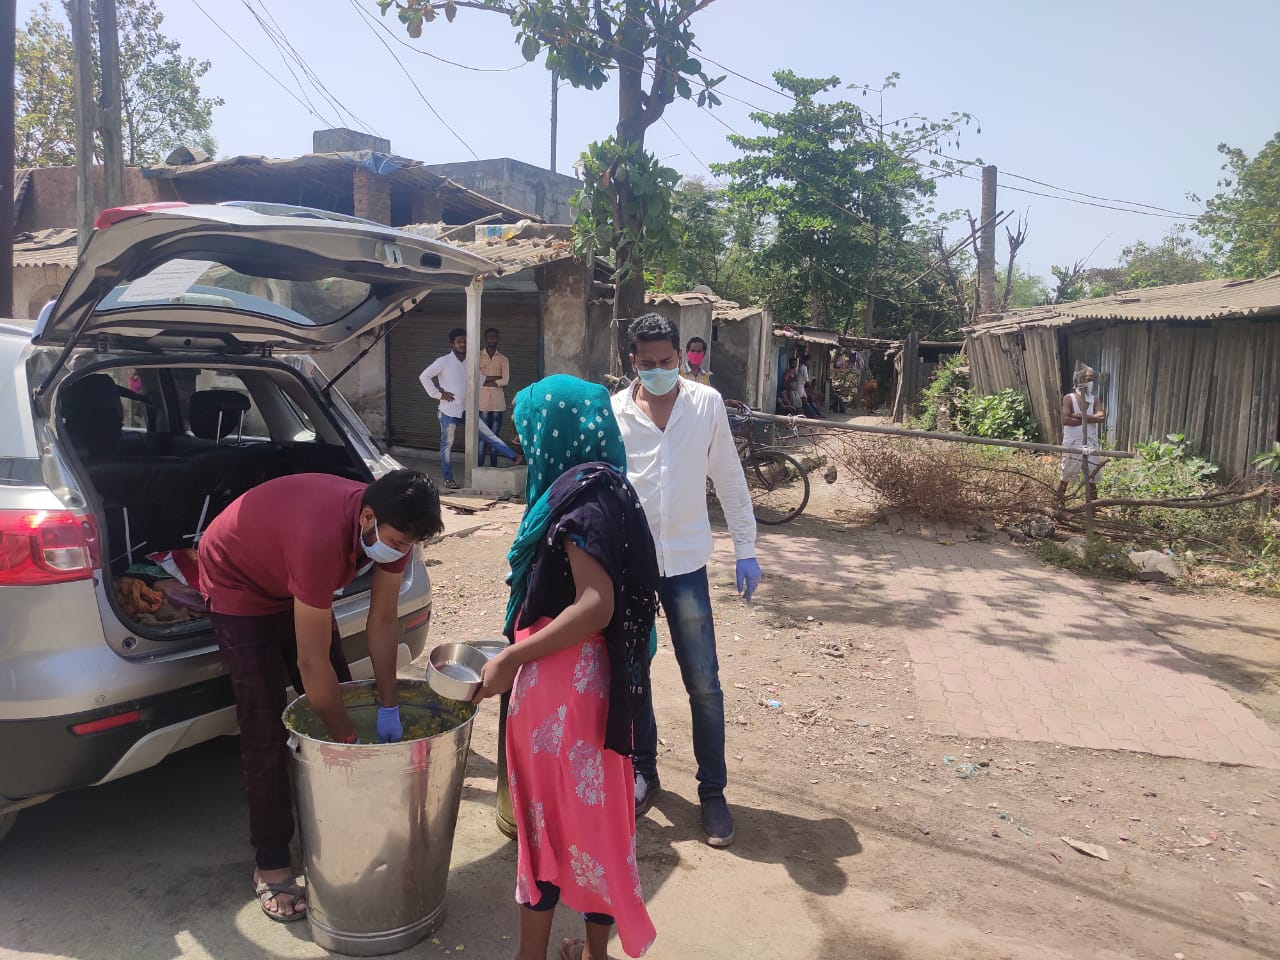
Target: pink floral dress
{"x":573,"y":800}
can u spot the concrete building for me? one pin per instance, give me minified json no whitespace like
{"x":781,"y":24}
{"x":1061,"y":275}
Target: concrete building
{"x":518,"y":184}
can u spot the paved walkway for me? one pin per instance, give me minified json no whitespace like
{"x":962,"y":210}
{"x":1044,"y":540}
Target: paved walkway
{"x":1002,"y":646}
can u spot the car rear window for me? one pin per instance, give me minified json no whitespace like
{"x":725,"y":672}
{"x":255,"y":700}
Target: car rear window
{"x":314,"y":302}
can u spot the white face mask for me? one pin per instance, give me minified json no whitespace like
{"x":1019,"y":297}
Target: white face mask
{"x":378,"y":551}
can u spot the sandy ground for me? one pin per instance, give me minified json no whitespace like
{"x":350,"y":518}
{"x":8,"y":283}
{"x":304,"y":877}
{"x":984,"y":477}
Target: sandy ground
{"x":858,"y":838}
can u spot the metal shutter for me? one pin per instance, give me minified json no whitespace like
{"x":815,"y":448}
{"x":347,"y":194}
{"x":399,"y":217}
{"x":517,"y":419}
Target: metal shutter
{"x":423,"y":335}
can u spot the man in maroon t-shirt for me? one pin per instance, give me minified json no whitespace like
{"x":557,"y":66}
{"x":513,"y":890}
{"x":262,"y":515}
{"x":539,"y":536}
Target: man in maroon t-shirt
{"x":270,"y":565}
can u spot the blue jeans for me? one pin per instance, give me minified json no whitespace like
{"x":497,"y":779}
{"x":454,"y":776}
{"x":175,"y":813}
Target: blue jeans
{"x":448,"y":426}
{"x":686,"y":601}
{"x":493,"y":420}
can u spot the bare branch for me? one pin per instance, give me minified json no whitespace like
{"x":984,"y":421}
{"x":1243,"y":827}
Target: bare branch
{"x":1016,"y":240}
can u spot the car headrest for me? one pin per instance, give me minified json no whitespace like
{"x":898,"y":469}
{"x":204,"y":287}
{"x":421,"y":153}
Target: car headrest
{"x":215,"y":414}
{"x":93,"y":414}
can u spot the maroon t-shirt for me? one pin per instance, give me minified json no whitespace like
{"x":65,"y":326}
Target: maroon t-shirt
{"x":296,"y":536}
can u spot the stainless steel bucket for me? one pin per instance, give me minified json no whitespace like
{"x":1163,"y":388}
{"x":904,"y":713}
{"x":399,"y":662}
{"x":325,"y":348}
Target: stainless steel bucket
{"x":377,"y":820}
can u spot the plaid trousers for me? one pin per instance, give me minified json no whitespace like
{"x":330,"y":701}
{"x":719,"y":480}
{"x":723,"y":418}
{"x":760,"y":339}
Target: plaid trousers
{"x":261,"y":654}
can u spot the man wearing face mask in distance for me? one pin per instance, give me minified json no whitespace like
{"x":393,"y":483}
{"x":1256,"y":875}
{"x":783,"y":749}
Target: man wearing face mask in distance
{"x":1081,"y":414}
{"x":270,"y":565}
{"x":676,"y":435}
{"x":695,"y":361}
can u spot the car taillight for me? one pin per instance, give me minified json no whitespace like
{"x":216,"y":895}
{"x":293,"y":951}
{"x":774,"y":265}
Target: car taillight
{"x":46,"y":546}
{"x":115,"y":214}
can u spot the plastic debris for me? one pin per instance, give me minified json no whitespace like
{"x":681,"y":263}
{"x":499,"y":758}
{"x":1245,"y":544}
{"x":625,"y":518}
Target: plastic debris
{"x":1095,"y":850}
{"x":967,"y":770}
{"x":774,"y":704}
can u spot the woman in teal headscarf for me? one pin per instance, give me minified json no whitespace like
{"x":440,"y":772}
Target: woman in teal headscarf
{"x":584,"y":580}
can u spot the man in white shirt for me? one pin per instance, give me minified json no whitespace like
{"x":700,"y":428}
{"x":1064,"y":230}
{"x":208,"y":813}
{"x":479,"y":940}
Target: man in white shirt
{"x":676,"y":434}
{"x":446,"y":380}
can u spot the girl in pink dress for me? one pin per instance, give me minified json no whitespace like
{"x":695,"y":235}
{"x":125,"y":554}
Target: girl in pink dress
{"x":583,"y":597}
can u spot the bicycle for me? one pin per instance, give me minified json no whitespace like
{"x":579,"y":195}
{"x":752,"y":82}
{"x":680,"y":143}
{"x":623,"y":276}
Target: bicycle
{"x":779,"y":484}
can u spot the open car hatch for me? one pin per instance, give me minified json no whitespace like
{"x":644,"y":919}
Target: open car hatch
{"x":241,"y":278}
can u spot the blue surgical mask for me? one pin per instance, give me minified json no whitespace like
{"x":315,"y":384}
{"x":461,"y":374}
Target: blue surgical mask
{"x":380,"y":552}
{"x":659,"y":381}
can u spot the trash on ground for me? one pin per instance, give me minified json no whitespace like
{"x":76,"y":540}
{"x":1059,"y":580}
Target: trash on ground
{"x":1095,"y":850}
{"x":967,"y":770}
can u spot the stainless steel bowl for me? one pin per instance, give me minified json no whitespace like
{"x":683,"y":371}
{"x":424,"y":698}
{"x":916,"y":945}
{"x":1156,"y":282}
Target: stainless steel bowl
{"x":453,"y":670}
{"x":490,"y":647}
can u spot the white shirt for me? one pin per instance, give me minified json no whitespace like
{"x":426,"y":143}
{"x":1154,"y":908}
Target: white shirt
{"x":669,"y":470}
{"x":453,"y":378}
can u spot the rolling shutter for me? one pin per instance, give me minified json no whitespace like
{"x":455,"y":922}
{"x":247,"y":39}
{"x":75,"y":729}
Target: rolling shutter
{"x":423,"y":335}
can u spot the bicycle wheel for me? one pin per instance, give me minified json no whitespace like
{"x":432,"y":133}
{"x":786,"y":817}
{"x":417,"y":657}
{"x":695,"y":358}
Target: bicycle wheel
{"x":779,"y":486}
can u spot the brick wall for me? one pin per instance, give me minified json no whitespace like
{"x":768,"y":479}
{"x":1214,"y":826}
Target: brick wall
{"x":372,"y":197}
{"x":51,"y":195}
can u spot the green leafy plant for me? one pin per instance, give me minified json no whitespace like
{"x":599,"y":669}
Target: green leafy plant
{"x":1099,"y":557}
{"x":1268,"y":462}
{"x":939,"y":401}
{"x":1001,"y":416}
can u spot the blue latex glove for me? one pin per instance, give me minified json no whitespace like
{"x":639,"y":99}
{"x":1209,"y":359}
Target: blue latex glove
{"x":748,"y":576}
{"x":389,"y":729}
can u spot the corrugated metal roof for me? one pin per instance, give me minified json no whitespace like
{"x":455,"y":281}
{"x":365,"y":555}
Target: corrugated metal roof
{"x":400,"y":170}
{"x":512,"y":255}
{"x":1209,"y":300}
{"x":828,"y":338}
{"x":45,"y":248}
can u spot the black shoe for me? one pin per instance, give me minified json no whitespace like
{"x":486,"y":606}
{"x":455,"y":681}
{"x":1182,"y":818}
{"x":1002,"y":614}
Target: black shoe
{"x":647,"y":790}
{"x":717,"y":822}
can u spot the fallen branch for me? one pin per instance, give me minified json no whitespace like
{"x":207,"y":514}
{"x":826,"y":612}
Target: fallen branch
{"x":1206,"y":502}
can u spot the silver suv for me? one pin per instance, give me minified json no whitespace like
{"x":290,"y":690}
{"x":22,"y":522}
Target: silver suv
{"x":172,"y":374}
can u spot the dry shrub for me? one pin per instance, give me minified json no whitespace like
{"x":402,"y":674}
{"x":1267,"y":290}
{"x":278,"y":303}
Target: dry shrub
{"x":938,"y":480}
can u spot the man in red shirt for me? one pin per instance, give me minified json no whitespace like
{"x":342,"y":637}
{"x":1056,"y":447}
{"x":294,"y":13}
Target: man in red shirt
{"x":270,"y":565}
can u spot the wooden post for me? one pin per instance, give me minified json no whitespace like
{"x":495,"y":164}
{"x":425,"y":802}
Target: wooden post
{"x":987,"y":249}
{"x":470,"y":427}
{"x":8,"y":24}
{"x":86,"y":117}
{"x":109,"y":119}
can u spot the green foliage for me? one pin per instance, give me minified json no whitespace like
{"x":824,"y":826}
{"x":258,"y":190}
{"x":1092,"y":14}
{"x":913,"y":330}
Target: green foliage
{"x":45,"y":127}
{"x":1268,"y":462}
{"x":603,"y":167}
{"x":939,"y":401}
{"x":161,"y":105}
{"x":1001,"y":416}
{"x":1241,"y":221}
{"x":840,"y":191}
{"x":1166,"y":470}
{"x":160,"y":97}
{"x":649,"y":45}
{"x":1175,"y":259}
{"x":1027,"y":290}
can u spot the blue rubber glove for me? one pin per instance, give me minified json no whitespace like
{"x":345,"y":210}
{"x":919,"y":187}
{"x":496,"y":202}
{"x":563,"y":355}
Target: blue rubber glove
{"x":389,"y":729}
{"x":748,"y":576}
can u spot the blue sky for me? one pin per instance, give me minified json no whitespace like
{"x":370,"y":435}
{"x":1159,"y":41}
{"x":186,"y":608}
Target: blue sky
{"x":1125,"y":99}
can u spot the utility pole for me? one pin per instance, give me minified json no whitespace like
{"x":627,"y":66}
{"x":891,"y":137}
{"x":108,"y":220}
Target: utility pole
{"x":109,"y":113}
{"x":8,"y":24}
{"x":86,"y":117}
{"x":555,"y":112}
{"x":987,"y":249}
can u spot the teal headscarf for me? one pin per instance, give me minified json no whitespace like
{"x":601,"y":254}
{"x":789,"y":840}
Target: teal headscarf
{"x":562,"y":422}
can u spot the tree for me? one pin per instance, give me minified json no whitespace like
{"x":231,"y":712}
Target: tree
{"x":1175,"y":259}
{"x":160,"y":101}
{"x":1242,"y":221}
{"x":841,"y":191}
{"x":626,"y":196}
{"x":45,"y":125}
{"x":714,"y":240}
{"x":161,"y":105}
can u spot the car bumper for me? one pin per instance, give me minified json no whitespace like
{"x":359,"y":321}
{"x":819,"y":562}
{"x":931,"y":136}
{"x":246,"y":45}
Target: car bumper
{"x":45,"y":756}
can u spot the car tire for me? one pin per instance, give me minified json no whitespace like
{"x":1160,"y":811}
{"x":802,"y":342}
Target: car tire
{"x":7,"y":820}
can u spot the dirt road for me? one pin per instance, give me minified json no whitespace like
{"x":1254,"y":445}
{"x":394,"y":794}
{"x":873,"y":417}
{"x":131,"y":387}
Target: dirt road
{"x":867,"y":828}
